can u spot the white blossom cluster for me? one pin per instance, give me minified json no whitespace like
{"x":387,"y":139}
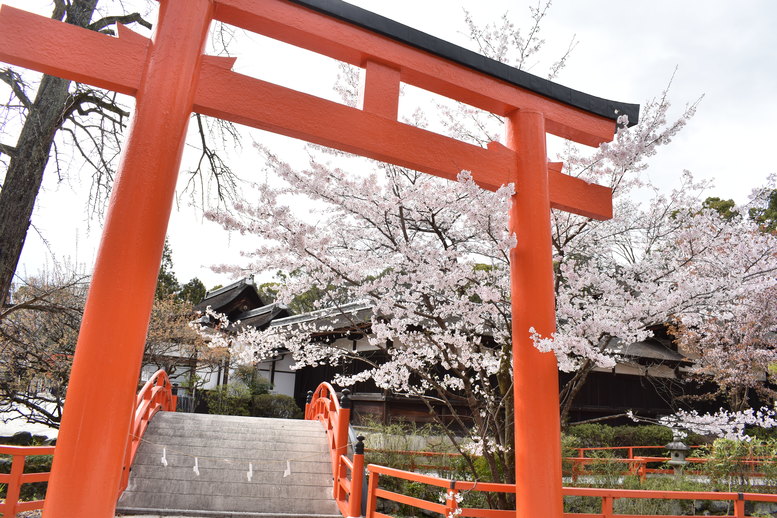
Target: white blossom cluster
{"x":724,"y":423}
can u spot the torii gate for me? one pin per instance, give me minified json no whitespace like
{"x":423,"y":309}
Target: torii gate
{"x":170,"y":77}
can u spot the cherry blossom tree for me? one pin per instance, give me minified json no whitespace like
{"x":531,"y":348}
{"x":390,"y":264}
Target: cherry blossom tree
{"x":431,"y":259}
{"x":735,"y":339}
{"x":673,"y":264}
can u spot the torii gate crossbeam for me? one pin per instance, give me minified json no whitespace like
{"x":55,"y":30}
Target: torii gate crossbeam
{"x":170,"y":78}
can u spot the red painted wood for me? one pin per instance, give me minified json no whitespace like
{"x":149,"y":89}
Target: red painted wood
{"x":380,"y":90}
{"x":274,"y":108}
{"x":357,"y":482}
{"x":537,"y":425}
{"x":608,"y":496}
{"x":71,"y":52}
{"x":325,"y":408}
{"x":285,"y":111}
{"x":156,"y":395}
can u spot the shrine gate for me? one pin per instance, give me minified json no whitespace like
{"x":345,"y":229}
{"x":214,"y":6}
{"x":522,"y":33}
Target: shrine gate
{"x":171,"y":78}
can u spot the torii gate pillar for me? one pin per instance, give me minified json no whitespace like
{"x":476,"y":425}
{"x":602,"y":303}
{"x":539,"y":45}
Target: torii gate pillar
{"x":535,"y":374}
{"x":101,"y":394}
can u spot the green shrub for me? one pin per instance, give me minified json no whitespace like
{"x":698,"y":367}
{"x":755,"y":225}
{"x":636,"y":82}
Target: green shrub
{"x":275,"y":405}
{"x":762,"y":434}
{"x":230,"y":399}
{"x":650,"y":435}
{"x":592,"y":435}
{"x":650,"y":506}
{"x":730,"y":465}
{"x":249,"y":376}
{"x":388,"y":445}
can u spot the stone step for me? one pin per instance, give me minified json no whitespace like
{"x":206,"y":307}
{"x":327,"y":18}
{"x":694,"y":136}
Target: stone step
{"x":254,"y":436}
{"x":221,"y":449}
{"x":243,"y":488}
{"x":294,"y":425}
{"x":320,"y":477}
{"x":266,"y":423}
{"x":155,"y":500}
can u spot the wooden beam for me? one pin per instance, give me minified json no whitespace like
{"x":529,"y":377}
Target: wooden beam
{"x":379,"y":92}
{"x":221,"y":93}
{"x":575,"y":195}
{"x":70,"y":52}
{"x":224,"y":94}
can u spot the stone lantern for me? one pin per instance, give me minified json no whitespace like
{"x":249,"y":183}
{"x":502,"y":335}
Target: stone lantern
{"x":678,"y":451}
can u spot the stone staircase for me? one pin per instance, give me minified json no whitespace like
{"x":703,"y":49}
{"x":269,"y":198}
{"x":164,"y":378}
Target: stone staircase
{"x":245,"y":467}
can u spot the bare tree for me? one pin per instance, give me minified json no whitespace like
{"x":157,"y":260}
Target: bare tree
{"x":37,"y":342}
{"x":59,"y":116}
{"x":38,"y":337}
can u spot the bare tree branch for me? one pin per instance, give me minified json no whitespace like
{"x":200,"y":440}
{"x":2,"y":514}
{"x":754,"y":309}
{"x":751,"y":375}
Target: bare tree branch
{"x":126,"y":19}
{"x":14,"y":80}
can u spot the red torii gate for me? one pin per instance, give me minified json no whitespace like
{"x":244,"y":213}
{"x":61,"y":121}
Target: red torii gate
{"x":170,"y":78}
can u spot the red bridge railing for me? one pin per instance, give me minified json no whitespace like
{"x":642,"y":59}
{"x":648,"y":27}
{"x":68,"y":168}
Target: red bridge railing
{"x":348,"y":475}
{"x":636,"y":465}
{"x":453,"y":507}
{"x":156,"y":394}
{"x":17,"y":477}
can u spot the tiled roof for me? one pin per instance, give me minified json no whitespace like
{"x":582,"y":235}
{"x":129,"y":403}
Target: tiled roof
{"x":225,"y":299}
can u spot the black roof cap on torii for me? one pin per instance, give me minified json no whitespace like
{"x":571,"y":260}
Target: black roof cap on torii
{"x":404,"y":34}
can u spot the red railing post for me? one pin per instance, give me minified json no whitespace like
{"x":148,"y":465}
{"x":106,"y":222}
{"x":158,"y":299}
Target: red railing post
{"x":578,"y":467}
{"x":607,"y":506}
{"x":341,"y":441}
{"x":14,"y":485}
{"x":739,"y":507}
{"x":156,"y":395}
{"x":323,"y":405}
{"x":372,"y":497}
{"x":452,"y":501}
{"x":357,"y":478}
{"x":343,"y":422}
{"x":308,"y":399}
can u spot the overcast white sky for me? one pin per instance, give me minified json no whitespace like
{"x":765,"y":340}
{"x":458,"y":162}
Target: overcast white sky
{"x":627,"y":51}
